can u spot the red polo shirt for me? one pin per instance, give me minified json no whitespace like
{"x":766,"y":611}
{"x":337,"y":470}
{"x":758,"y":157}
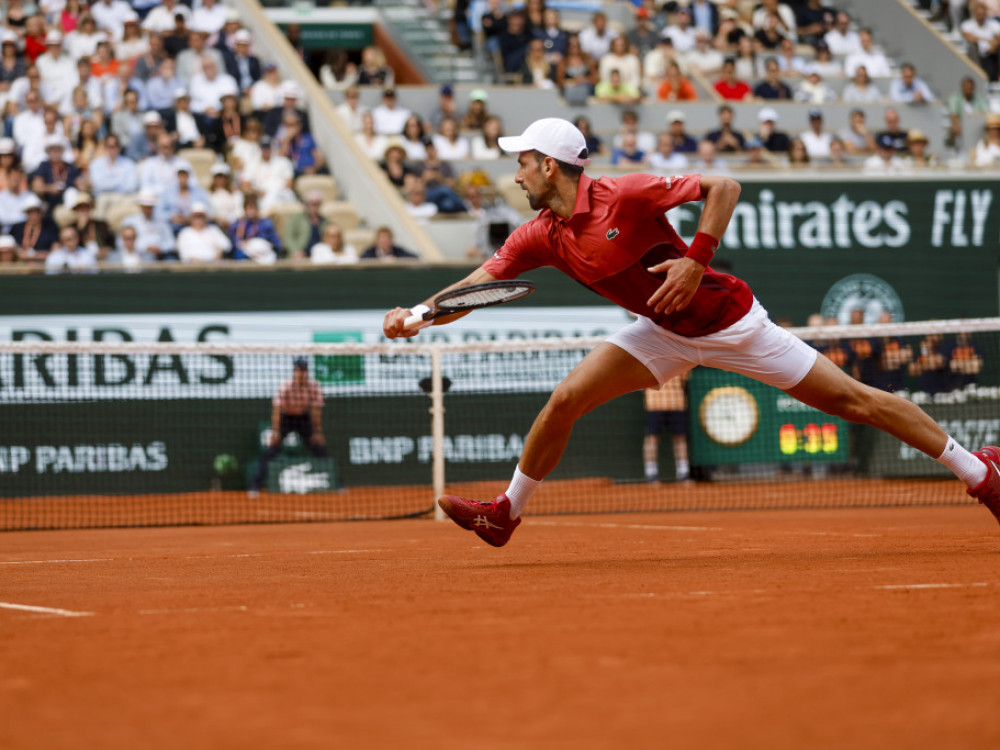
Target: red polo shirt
{"x":617,"y":231}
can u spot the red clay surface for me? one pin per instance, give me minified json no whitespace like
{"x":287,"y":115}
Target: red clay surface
{"x":875,"y":628}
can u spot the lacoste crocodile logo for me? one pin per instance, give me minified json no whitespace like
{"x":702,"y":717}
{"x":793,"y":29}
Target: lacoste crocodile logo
{"x":612,"y":233}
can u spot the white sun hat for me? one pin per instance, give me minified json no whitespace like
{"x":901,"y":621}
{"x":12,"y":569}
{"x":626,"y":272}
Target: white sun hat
{"x":552,"y":136}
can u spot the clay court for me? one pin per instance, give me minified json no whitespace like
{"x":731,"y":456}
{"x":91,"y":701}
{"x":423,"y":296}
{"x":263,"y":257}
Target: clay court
{"x":782,"y":629}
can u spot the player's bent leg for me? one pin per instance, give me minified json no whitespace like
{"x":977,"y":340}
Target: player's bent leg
{"x":604,"y":374}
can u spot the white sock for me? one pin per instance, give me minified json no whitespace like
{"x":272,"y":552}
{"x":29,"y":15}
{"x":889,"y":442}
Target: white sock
{"x":522,"y":487}
{"x":652,"y":470}
{"x":683,"y":468}
{"x":967,"y":467}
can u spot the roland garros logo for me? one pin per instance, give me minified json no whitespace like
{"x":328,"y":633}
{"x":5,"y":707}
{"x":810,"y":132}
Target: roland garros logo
{"x":865,"y":292}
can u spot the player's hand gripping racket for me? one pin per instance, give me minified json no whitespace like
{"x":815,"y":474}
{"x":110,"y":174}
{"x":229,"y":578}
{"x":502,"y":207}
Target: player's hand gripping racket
{"x":468,"y":298}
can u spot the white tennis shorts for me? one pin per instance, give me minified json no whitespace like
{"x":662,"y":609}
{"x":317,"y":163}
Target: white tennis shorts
{"x":753,"y":346}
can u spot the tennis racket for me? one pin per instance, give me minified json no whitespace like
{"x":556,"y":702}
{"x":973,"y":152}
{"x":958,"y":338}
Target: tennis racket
{"x":470,"y":297}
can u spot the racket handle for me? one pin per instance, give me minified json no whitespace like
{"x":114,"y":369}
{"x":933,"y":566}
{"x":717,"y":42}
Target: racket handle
{"x":417,"y":317}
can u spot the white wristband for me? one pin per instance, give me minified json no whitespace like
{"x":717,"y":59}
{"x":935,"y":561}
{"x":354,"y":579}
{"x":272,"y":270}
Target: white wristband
{"x":416,"y":319}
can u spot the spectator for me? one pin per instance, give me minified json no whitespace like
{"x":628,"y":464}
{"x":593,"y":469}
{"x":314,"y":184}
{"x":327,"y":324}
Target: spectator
{"x":185,"y":127}
{"x":34,"y":37}
{"x":595,"y":147}
{"x":333,"y":250}
{"x":210,"y":16}
{"x":704,"y":16}
{"x":485,"y":146}
{"x":241,"y":65}
{"x":477,"y":112}
{"x":514,"y":43}
{"x":773,"y":139}
{"x":616,"y":91}
{"x":417,"y":205}
{"x":28,"y":123}
{"x":536,"y":70}
{"x":150,"y":125}
{"x":725,"y":137}
{"x":680,"y":32}
{"x":305,"y":229}
{"x":449,"y":142}
{"x":919,"y":157}
{"x":729,"y":87}
{"x":82,"y":41}
{"x":13,"y":199}
{"x":161,"y":89}
{"x":885,"y":160}
{"x":630,"y":124}
{"x":553,"y":37}
{"x":394,"y":165}
{"x":875,"y":62}
{"x":704,"y":58}
{"x":770,"y":37}
{"x":8,"y":159}
{"x":675,"y":87}
{"x":338,"y":72}
{"x":861,"y":90}
{"x":158,"y":173}
{"x":964,"y":361}
{"x":148,"y":64}
{"x":163,"y":17}
{"x":964,"y":101}
{"x":290,"y":95}
{"x":153,"y":235}
{"x":372,"y":144}
{"x":772,"y":87}
{"x":8,"y":250}
{"x":812,"y":90}
{"x":493,"y":23}
{"x":384,"y":248}
{"x":105,"y":66}
{"x":86,"y":145}
{"x":413,"y":138}
{"x":439,"y":182}
{"x":620,"y":58}
{"x":798,"y":154}
{"x":816,"y":140}
{"x":841,"y":39}
{"x":708,"y":161}
{"x":207,"y":89}
{"x":983,"y":33}
{"x":69,"y":254}
{"x":769,"y":9}
{"x":58,"y":70}
{"x":986,"y":152}
{"x":202,"y":241}
{"x":133,"y":44}
{"x":92,"y":86}
{"x":266,"y":95}
{"x":190,"y":61}
{"x":373,"y":70}
{"x":12,"y":63}
{"x":814,"y":20}
{"x":893,"y":130}
{"x":389,"y":117}
{"x":748,"y":64}
{"x":126,"y":252}
{"x":245,"y":152}
{"x":110,"y":16}
{"x":447,"y":107}
{"x":827,"y":66}
{"x":576,"y":73}
{"x":94,"y":233}
{"x":756,"y":155}
{"x":595,"y":39}
{"x":683,"y":143}
{"x":225,"y":203}
{"x":113,"y":88}
{"x":931,"y":365}
{"x":908,"y":89}
{"x":654,"y":64}
{"x":856,"y":137}
{"x":665,"y":158}
{"x":301,"y":149}
{"x":176,"y":201}
{"x":36,"y":235}
{"x":247,"y":232}
{"x":629,"y":153}
{"x":643,"y":37}
{"x":495,"y":220}
{"x":350,"y":110}
{"x":54,"y":175}
{"x":271,"y":178}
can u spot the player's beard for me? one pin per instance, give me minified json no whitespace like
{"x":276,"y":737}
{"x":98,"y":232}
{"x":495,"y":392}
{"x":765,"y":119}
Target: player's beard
{"x":539,"y":200}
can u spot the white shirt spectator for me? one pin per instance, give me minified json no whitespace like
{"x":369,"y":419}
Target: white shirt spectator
{"x":78,"y":43}
{"x":759,"y":19}
{"x":226,"y":206}
{"x":12,"y":208}
{"x":595,"y":45}
{"x":265,"y":95}
{"x":656,"y":160}
{"x":842,"y":44}
{"x":113,"y":176}
{"x":422,"y":213}
{"x":156,"y":173}
{"x":110,"y":15}
{"x":390,"y":121}
{"x":187,"y":127}
{"x":852,"y":94}
{"x":875,"y":164}
{"x":875,"y":62}
{"x":151,"y":234}
{"x":271,"y":179}
{"x":627,"y":65}
{"x":210,"y":19}
{"x":247,"y":153}
{"x":477,"y":148}
{"x":375,"y":148}
{"x":984,"y":34}
{"x":161,"y":18}
{"x":684,"y":39}
{"x":27,"y":125}
{"x":985,"y":154}
{"x":322,"y":254}
{"x":59,"y":76}
{"x":900,"y":92}
{"x":708,"y":60}
{"x":817,"y":144}
{"x":60,"y":258}
{"x":204,"y":245}
{"x":33,"y":152}
{"x":207,"y":93}
{"x":451,"y":150}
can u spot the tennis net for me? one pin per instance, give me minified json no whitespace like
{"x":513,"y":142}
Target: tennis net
{"x":101,"y":434}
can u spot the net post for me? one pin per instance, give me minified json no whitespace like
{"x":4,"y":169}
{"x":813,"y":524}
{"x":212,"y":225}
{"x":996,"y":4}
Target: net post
{"x":437,"y":429}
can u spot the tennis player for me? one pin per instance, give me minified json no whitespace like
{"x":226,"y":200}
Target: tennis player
{"x":611,"y":235}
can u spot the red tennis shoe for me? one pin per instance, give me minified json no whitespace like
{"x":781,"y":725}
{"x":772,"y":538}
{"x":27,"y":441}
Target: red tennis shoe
{"x":491,"y":521}
{"x":988,"y":491}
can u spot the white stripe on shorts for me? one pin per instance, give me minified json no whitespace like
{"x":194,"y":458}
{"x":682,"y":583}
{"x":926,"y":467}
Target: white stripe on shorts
{"x":753,"y":346}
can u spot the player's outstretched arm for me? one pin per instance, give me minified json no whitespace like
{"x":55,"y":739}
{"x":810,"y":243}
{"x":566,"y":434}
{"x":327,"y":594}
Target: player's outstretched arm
{"x":684,"y":274}
{"x":393,"y":327}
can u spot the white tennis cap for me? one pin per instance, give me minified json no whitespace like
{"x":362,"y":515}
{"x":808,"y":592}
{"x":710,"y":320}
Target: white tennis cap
{"x":552,"y":136}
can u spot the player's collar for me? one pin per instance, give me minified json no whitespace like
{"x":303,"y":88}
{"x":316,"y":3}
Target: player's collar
{"x":582,"y":204}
